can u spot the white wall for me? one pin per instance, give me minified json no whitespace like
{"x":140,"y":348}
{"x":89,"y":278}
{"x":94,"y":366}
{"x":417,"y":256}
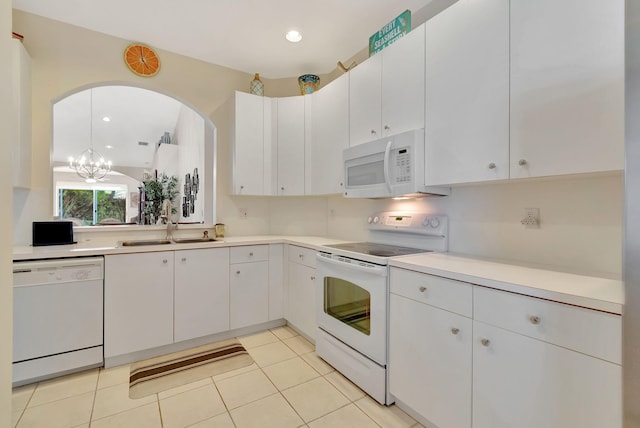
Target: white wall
{"x":6,"y":291}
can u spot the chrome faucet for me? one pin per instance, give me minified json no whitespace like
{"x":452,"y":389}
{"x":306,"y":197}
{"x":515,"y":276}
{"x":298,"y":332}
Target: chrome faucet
{"x":166,"y":216}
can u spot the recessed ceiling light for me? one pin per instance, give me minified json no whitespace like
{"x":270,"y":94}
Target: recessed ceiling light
{"x":294,"y":36}
{"x":108,"y":146}
{"x":106,"y":119}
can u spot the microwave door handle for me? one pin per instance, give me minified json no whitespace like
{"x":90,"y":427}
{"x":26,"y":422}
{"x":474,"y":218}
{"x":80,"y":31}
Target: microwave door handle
{"x":387,"y":159}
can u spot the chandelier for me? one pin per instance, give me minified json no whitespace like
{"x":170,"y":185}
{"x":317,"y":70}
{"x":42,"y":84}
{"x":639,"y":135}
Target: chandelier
{"x":90,"y":164}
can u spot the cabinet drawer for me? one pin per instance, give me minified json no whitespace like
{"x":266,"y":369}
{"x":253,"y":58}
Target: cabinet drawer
{"x":454,"y":296}
{"x":584,"y":330}
{"x":305,"y":256}
{"x":249,"y":253}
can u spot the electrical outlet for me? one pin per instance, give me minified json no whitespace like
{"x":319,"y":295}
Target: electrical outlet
{"x":242,"y":213}
{"x":531,"y":218}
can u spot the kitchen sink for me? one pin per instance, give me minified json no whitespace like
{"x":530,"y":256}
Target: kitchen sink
{"x":145,"y":242}
{"x":192,"y":240}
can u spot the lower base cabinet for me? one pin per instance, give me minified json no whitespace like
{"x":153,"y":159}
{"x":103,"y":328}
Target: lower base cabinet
{"x":301,"y":304}
{"x":201,"y":293}
{"x":249,"y":294}
{"x":138,"y":302}
{"x":526,"y":383}
{"x":430,"y":361}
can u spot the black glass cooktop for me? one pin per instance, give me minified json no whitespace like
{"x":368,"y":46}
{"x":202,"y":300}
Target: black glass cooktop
{"x":379,"y":250}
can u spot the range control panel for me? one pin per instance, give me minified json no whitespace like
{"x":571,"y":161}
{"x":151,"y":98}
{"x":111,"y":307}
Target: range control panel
{"x":420,"y":223}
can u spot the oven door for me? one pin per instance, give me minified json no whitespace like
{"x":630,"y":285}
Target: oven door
{"x":352,"y":304}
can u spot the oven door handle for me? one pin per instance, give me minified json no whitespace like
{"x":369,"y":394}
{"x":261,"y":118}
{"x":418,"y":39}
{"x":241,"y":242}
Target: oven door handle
{"x":374,"y":270}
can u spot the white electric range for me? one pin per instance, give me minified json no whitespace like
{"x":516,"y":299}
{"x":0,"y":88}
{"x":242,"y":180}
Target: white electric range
{"x":353,"y":294}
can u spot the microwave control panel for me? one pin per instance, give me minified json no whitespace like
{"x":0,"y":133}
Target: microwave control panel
{"x":402,"y":162}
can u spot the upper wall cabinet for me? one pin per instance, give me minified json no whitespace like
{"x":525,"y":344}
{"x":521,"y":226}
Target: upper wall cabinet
{"x":251,"y":141}
{"x":290,"y":146}
{"x":21,"y":131}
{"x":467,"y":93}
{"x":386,"y":92}
{"x":329,"y":137}
{"x":567,"y":86}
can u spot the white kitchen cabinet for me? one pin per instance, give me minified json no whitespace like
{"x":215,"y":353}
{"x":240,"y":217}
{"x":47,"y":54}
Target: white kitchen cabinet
{"x":290,"y":145}
{"x":329,"y":137}
{"x":365,"y":101}
{"x":248,"y":285}
{"x":20,"y":138}
{"x":251,"y":136}
{"x":386,"y":92}
{"x":201,"y":293}
{"x":526,"y":383}
{"x":430,"y":337}
{"x":467,"y":93}
{"x":138,"y":302}
{"x":276,"y":281}
{"x":301,"y":295}
{"x":567,"y":86}
{"x":403,"y":83}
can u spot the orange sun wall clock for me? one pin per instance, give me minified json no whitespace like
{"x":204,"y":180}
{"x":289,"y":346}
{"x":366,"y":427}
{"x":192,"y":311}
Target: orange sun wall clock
{"x":142,"y":60}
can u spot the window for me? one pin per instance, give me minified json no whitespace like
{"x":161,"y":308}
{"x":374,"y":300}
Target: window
{"x":93,"y":206}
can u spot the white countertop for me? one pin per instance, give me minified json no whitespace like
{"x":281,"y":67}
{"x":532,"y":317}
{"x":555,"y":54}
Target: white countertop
{"x":580,"y":290}
{"x":587,"y":291}
{"x":104,"y":248}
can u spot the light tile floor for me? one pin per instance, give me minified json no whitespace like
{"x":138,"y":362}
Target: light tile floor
{"x":287,"y":386}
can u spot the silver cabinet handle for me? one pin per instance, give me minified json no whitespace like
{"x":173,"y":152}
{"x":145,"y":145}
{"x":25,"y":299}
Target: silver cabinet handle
{"x":165,"y":261}
{"x":455,"y":331}
{"x":282,"y":188}
{"x":534,"y":320}
{"x":373,"y":132}
{"x":485,"y":342}
{"x":237,"y":272}
{"x":241,"y":187}
{"x":492,"y":165}
{"x":251,"y":254}
{"x":422,"y":289}
{"x":184,"y":259}
{"x":522,"y":162}
{"x":313,"y":278}
{"x":386,"y":127}
{"x":301,"y":256}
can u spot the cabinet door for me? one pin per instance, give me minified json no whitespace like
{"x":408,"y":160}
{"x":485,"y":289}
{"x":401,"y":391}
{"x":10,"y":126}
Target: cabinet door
{"x":330,"y":136}
{"x":365,"y":101}
{"x":403,"y":83}
{"x":248,"y":142}
{"x":525,"y":383}
{"x":249,"y":294}
{"x":201,"y":293}
{"x":302,"y":299}
{"x":467,"y":93}
{"x":430,"y":361}
{"x":291,"y":131}
{"x":20,"y":138}
{"x":138,"y":302}
{"x":567,"y":84}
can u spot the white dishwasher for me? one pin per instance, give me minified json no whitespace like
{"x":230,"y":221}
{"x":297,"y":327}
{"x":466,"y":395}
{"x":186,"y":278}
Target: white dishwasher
{"x":57,"y":317}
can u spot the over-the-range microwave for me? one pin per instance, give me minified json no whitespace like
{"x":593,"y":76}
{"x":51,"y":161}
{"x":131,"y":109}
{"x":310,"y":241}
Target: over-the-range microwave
{"x":388,"y":167}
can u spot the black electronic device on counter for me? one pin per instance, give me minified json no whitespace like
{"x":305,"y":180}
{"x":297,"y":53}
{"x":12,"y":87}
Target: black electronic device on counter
{"x":52,"y":233}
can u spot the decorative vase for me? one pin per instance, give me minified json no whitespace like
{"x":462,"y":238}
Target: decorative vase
{"x":256,"y":86}
{"x":308,"y":83}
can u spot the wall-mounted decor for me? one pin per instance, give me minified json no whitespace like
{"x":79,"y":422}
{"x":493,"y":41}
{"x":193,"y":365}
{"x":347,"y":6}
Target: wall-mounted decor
{"x":191,"y":188}
{"x":391,"y":32}
{"x":142,"y":60}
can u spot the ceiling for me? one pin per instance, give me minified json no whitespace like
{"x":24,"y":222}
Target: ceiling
{"x":246,"y":35}
{"x":135,"y":115}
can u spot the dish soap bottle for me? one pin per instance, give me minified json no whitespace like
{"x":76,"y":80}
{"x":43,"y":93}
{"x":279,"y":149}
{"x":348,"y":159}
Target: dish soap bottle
{"x":256,"y":86}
